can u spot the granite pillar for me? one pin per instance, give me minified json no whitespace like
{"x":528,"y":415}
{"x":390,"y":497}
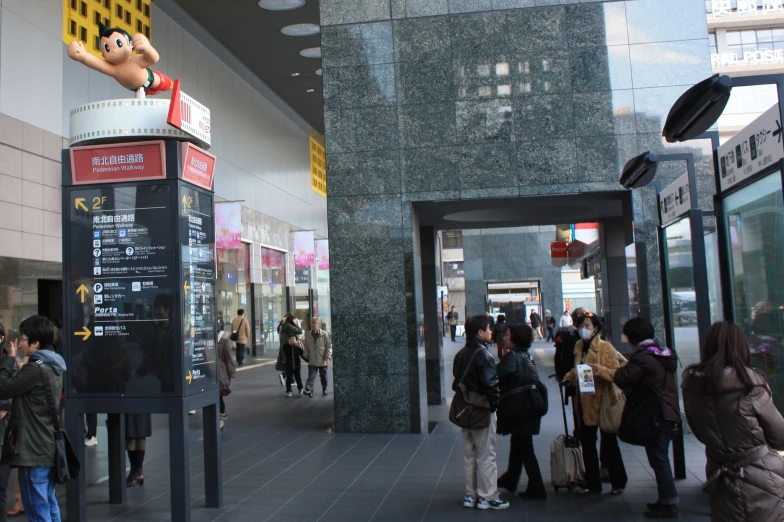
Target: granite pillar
{"x":455,"y":100}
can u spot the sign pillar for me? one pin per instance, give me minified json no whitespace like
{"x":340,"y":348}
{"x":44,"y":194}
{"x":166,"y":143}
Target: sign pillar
{"x":140,"y":313}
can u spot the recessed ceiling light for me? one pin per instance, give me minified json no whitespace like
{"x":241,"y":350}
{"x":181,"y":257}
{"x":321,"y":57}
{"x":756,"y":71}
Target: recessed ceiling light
{"x":301,"y":30}
{"x":295,"y":74}
{"x":281,"y":5}
{"x":318,"y":71}
{"x":312,"y":52}
{"x":310,"y":90}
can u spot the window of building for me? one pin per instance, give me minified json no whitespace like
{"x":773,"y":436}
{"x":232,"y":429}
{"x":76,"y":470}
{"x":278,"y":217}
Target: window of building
{"x":271,"y":297}
{"x":741,"y":42}
{"x":452,"y":239}
{"x":714,"y":48}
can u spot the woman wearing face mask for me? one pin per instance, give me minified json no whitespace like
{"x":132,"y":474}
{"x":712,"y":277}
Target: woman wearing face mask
{"x":604,"y":360}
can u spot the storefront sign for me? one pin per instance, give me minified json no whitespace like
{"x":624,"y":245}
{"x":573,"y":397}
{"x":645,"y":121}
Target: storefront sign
{"x":575,"y":250}
{"x":674,"y":201}
{"x":758,"y":57}
{"x":558,"y":253}
{"x":323,"y":254}
{"x":304,"y":254}
{"x":228,"y":225}
{"x":199,"y":313}
{"x":137,"y":161}
{"x":752,"y":149}
{"x":188,"y":115}
{"x":722,"y":8}
{"x":198,"y":166}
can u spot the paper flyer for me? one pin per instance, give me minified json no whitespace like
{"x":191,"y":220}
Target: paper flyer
{"x":585,"y":376}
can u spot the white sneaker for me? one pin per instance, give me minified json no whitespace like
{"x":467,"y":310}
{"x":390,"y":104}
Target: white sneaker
{"x":192,"y":412}
{"x":492,"y":504}
{"x":288,"y":394}
{"x":92,"y":441}
{"x":469,"y":501}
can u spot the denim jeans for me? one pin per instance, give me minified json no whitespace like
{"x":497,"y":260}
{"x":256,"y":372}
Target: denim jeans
{"x":38,"y":494}
{"x":659,"y":459}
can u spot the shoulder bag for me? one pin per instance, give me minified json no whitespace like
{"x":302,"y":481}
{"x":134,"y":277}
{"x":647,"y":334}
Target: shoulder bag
{"x":66,"y":464}
{"x":611,"y":408}
{"x":469,"y":409}
{"x":641,"y":417}
{"x":235,"y":335}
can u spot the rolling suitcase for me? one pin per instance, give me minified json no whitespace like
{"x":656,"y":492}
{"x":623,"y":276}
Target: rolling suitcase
{"x":566,"y":457}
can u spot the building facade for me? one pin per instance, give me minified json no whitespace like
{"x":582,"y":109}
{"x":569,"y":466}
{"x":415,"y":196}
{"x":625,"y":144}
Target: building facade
{"x":458,"y":114}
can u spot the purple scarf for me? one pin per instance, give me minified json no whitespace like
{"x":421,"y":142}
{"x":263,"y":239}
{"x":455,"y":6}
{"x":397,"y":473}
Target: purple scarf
{"x":654,"y":346}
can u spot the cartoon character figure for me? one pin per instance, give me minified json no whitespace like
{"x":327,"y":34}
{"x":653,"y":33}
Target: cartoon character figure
{"x":132,"y":71}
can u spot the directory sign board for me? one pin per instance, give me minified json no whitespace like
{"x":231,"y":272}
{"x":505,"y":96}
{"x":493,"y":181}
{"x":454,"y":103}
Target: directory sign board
{"x":127,"y":266}
{"x":197,"y":233}
{"x":759,"y":145}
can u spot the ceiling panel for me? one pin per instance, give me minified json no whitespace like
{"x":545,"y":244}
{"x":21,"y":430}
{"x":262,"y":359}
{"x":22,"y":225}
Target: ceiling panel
{"x":253,"y":35}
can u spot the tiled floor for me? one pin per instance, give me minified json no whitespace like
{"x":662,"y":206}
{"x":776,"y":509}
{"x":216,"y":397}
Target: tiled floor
{"x":281,"y":462}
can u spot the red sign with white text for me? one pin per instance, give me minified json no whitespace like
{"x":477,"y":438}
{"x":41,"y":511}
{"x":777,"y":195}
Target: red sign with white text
{"x":137,"y":161}
{"x":558,"y":253}
{"x":198,"y":166}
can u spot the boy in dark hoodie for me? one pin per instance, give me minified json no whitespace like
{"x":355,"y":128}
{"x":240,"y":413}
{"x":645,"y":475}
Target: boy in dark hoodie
{"x":29,"y":438}
{"x":649,"y":378}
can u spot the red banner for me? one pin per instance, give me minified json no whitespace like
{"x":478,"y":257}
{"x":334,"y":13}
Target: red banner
{"x":198,"y":166}
{"x":137,"y":161}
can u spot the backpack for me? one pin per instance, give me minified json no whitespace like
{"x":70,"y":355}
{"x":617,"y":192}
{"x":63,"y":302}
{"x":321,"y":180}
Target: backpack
{"x":566,"y":339}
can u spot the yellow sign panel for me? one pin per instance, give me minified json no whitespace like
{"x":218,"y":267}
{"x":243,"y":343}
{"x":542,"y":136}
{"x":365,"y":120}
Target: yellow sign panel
{"x":81,"y":18}
{"x":318,"y":168}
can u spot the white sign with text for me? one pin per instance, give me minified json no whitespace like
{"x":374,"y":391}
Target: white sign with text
{"x":756,"y":147}
{"x":675,"y":200}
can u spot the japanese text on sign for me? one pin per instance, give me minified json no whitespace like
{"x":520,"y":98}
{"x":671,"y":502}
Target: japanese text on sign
{"x":752,"y":149}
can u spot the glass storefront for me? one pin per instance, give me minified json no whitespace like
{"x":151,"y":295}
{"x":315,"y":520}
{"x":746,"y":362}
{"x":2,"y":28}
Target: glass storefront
{"x":681,"y":291}
{"x":233,"y":283}
{"x":754,"y":223}
{"x":271,"y":296}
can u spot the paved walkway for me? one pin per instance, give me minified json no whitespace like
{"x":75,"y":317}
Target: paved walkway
{"x":282,"y":462}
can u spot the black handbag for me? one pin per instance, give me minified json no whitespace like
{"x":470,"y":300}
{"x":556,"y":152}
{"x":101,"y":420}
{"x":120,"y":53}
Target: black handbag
{"x":641,"y":417}
{"x":236,"y":335}
{"x":66,"y":464}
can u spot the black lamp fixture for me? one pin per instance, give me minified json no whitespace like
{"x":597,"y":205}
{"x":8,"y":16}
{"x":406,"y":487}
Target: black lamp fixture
{"x":697,"y":109}
{"x":639,"y":171}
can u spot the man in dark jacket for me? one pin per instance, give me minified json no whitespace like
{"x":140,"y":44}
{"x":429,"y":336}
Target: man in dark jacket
{"x":649,"y":379}
{"x":451,"y":318}
{"x":536,"y":324}
{"x":29,"y":439}
{"x":481,"y":470}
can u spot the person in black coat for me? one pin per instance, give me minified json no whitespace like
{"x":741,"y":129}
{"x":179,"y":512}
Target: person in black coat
{"x":292,"y":353}
{"x":649,"y":379}
{"x":517,"y":369}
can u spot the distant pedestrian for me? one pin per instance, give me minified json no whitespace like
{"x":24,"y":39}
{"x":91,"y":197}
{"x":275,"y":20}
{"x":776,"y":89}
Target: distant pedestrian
{"x":536,"y":325}
{"x":517,"y":370}
{"x":500,"y":328}
{"x":729,"y":407}
{"x":292,"y":353}
{"x":566,"y":319}
{"x":29,"y":442}
{"x":287,"y":327}
{"x":490,"y":320}
{"x":318,"y":353}
{"x":549,"y":322}
{"x":481,"y":470}
{"x":240,"y":327}
{"x":226,"y":371}
{"x":451,"y":318}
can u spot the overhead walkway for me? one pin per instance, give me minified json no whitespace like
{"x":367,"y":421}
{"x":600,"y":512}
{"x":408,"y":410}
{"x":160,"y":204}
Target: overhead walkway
{"x":282,"y":462}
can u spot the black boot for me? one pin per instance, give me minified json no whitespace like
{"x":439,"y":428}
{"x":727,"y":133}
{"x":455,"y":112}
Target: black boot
{"x":657,"y":510}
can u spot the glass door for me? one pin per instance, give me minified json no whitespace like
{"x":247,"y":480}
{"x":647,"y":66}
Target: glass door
{"x":753,"y":219}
